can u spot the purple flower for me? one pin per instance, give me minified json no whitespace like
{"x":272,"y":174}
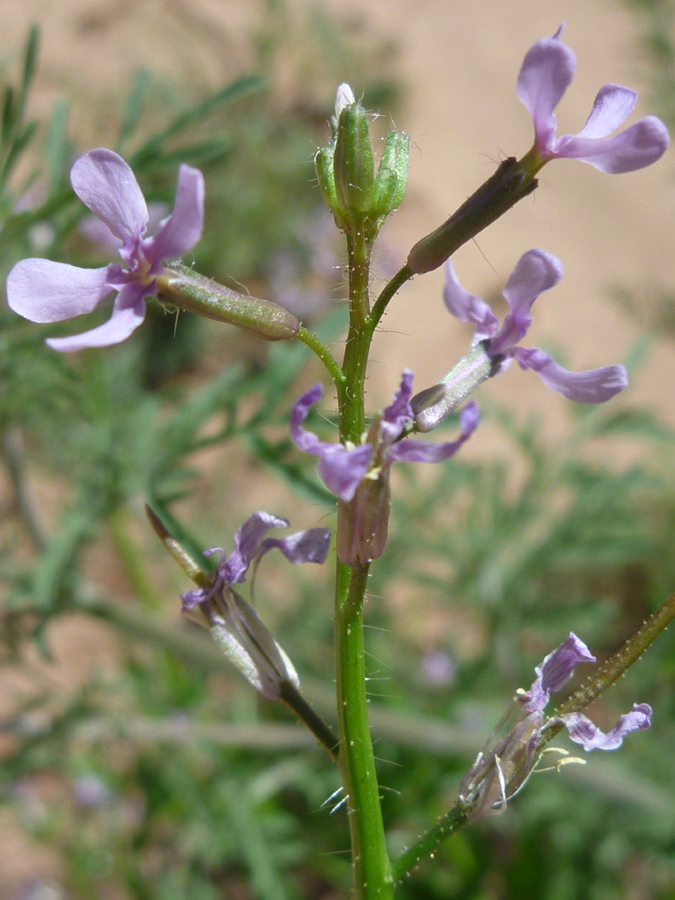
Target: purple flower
{"x":545,"y":75}
{"x":582,"y":731}
{"x":498,"y":774}
{"x":535,"y":272}
{"x":554,"y":672}
{"x":342,"y":468}
{"x":45,"y":291}
{"x":234,"y":624}
{"x":250,"y":545}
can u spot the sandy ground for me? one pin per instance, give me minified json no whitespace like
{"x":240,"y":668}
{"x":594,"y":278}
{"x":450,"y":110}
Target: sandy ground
{"x":458,"y":62}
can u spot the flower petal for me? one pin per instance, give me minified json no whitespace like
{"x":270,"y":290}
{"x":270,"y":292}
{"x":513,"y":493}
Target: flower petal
{"x":105,"y":183}
{"x":535,"y":272}
{"x":582,"y":731}
{"x":420,"y":451}
{"x":341,"y":469}
{"x":467,"y":307}
{"x":182,"y":230}
{"x":554,"y":672}
{"x":547,"y":70}
{"x":636,"y":147}
{"x":303,"y":546}
{"x":303,"y":439}
{"x":45,"y":291}
{"x":611,"y":107}
{"x":247,"y":544}
{"x":399,"y":412}
{"x":128,"y":313}
{"x":590,"y":386}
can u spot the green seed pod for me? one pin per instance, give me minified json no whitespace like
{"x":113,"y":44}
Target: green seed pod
{"x":183,"y":288}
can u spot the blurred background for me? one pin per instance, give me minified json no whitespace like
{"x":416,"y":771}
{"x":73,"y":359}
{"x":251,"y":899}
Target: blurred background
{"x":135,"y":762}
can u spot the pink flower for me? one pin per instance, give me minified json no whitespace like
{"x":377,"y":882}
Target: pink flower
{"x":545,"y":75}
{"x":343,"y":468}
{"x":46,"y":291}
{"x":535,"y":273}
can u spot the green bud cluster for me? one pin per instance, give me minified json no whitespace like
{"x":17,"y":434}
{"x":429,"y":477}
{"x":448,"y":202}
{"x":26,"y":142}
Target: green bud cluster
{"x":360,"y":197}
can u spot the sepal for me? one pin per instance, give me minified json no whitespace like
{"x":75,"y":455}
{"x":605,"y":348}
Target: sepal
{"x":392,"y":174}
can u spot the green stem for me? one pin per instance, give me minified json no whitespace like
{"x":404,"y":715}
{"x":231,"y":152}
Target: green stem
{"x":292,"y":698}
{"x":425,"y":845}
{"x":387,"y":294}
{"x":370,"y":862}
{"x":319,"y":348}
{"x":351,"y":393}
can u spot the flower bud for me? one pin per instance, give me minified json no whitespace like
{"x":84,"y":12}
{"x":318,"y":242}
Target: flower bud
{"x":344,"y":97}
{"x":182,"y":288}
{"x":354,"y":167}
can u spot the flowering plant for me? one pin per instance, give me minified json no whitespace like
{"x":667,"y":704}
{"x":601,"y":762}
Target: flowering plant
{"x":355,"y":464}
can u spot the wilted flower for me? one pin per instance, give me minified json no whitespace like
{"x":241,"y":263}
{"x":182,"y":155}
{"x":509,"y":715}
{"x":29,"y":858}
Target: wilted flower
{"x":546,"y":73}
{"x":233,"y":622}
{"x":498,"y":774}
{"x":46,"y":291}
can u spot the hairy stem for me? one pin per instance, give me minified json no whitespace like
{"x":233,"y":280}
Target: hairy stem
{"x":425,"y":845}
{"x":370,"y":862}
{"x":319,"y":349}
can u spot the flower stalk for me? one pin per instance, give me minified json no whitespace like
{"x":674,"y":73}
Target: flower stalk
{"x":370,"y":861}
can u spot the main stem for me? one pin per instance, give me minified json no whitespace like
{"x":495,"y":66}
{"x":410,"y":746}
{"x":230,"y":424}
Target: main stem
{"x":370,"y":861}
